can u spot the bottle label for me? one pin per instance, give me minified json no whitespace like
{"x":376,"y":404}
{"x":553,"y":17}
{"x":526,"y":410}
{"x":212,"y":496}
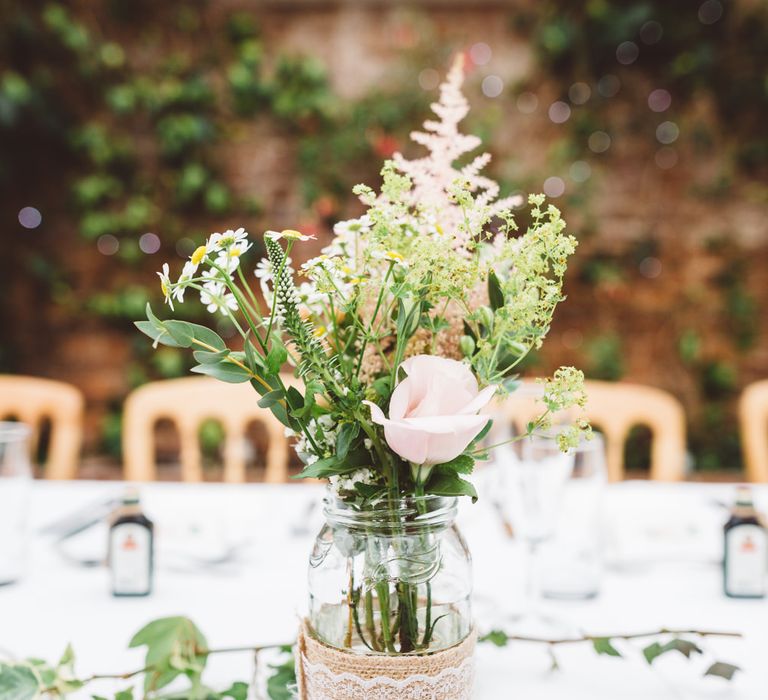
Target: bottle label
{"x":747,"y":547}
{"x":130,"y":559}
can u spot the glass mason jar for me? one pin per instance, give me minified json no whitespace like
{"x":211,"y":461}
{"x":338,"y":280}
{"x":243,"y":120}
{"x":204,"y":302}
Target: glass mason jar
{"x":390,"y":578}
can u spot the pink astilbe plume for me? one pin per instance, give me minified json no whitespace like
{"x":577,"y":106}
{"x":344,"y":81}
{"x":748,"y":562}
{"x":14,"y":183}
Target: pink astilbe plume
{"x":436,"y":175}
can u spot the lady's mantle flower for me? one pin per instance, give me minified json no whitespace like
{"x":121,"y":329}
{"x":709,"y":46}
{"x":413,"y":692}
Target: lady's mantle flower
{"x":289,"y":234}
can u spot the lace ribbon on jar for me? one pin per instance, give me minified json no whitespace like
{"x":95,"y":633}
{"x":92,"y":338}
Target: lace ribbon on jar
{"x":325,"y":673}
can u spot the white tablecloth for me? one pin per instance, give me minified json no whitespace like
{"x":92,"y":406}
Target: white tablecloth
{"x":668,"y":535}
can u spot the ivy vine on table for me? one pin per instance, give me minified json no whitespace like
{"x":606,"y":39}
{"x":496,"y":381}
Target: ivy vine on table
{"x":176,"y":649}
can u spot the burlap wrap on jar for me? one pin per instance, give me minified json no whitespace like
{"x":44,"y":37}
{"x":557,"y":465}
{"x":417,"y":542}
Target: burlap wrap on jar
{"x":326,"y":673}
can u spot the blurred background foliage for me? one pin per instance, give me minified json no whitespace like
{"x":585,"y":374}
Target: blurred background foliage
{"x":135,"y":128}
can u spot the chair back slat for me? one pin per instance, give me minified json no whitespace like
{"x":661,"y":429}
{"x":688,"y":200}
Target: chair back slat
{"x":753,"y":422}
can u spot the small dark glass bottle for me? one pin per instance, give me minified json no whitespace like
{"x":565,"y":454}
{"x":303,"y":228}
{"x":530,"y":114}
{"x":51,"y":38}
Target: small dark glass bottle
{"x":746,"y":550}
{"x":131,"y":549}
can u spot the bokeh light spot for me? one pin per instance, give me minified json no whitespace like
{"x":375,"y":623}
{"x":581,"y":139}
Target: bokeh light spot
{"x":559,"y":112}
{"x":480,"y":53}
{"x":608,"y":85}
{"x":29,"y":217}
{"x":554,"y":186}
{"x":666,"y":157}
{"x":429,"y":79}
{"x":667,"y":132}
{"x":659,"y":100}
{"x":107,"y":244}
{"x":710,"y":11}
{"x":650,"y":268}
{"x":579,"y":93}
{"x":527,"y":102}
{"x":185,"y":247}
{"x":599,"y":142}
{"x":627,"y":52}
{"x":651,"y":32}
{"x":492,"y":86}
{"x":149,"y":243}
{"x":580,"y":171}
{"x":572,"y":339}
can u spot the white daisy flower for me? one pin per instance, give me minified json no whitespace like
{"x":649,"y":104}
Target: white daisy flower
{"x":215,"y":298}
{"x":289,"y":234}
{"x":165,"y":284}
{"x":229,"y":257}
{"x":219,"y":241}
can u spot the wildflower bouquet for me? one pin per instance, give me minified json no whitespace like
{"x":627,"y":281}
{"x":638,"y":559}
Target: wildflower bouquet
{"x":402,"y":331}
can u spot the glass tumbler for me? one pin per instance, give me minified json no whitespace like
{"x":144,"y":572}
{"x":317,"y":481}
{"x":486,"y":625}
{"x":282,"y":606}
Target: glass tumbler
{"x":15,"y":486}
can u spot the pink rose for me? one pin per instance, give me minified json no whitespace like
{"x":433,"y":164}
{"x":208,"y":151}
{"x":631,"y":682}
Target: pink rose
{"x":433,"y":411}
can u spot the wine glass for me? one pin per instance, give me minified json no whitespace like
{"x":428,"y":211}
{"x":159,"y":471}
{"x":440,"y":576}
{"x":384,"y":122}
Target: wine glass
{"x":15,"y":482}
{"x":532,"y":491}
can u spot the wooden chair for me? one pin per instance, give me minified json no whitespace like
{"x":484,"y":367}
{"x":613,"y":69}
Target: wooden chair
{"x":188,"y":402}
{"x":614,"y":409}
{"x":753,"y":420}
{"x":32,"y":400}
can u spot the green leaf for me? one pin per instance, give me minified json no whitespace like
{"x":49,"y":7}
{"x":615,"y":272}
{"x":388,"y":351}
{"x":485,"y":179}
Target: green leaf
{"x":653,"y":651}
{"x":237,"y":691}
{"x":495,"y":294}
{"x":382,"y":387}
{"x":181,"y":332}
{"x":224,"y":371}
{"x":158,"y":335}
{"x":463,"y":464}
{"x":296,"y":400}
{"x":154,"y":320}
{"x":344,"y":438}
{"x":331,"y":466}
{"x":497,"y":637}
{"x":206,"y":336}
{"x":17,"y":683}
{"x":175,"y":646}
{"x":276,"y":357}
{"x":124,"y":694}
{"x":271,"y":398}
{"x":281,"y":682}
{"x":486,"y":429}
{"x":209,"y":358}
{"x":603,"y":645}
{"x":722,"y":670}
{"x":446,"y":482}
{"x":684,"y":646}
{"x":251,"y":357}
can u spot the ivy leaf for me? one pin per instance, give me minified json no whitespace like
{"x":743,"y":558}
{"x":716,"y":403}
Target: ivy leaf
{"x":224,"y":371}
{"x":603,"y":645}
{"x":722,"y":670}
{"x":17,"y":683}
{"x":684,"y":646}
{"x":496,"y":637}
{"x":495,"y":293}
{"x":446,"y":482}
{"x":653,"y":651}
{"x":280,"y":683}
{"x":175,"y":646}
{"x":463,"y":464}
{"x":237,"y":691}
{"x":347,"y":433}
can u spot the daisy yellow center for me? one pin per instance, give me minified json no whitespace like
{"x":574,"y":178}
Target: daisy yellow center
{"x":198,"y":255}
{"x":392,"y":255}
{"x":164,"y":287}
{"x":291,"y":233}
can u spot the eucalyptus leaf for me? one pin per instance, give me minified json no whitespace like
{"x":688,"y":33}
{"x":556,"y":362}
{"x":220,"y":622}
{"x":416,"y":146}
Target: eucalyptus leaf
{"x":271,"y":398}
{"x":181,"y":332}
{"x":158,"y":335}
{"x":204,"y":357}
{"x":224,"y":371}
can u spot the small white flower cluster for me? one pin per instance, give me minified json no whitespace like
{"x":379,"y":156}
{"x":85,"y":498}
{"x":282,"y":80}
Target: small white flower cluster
{"x":346,"y":482}
{"x":222,"y":251}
